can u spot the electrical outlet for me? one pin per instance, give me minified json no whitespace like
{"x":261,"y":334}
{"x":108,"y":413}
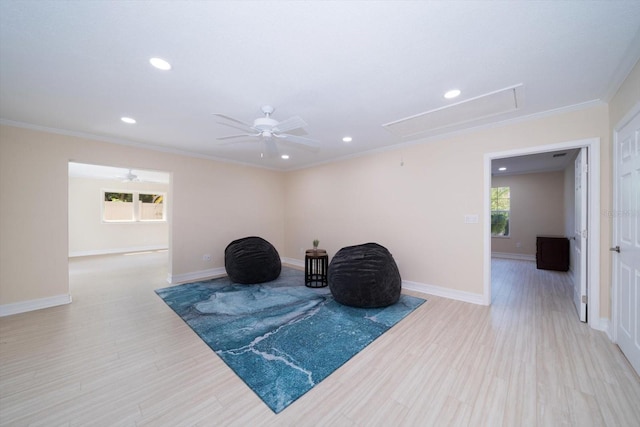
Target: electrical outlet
{"x":207,"y":257}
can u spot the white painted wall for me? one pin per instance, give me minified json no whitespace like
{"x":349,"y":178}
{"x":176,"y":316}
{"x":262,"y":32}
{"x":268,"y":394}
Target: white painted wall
{"x":89,"y":235}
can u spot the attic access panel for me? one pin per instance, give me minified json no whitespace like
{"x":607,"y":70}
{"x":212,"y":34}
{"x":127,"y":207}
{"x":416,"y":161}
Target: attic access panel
{"x":491,"y":104}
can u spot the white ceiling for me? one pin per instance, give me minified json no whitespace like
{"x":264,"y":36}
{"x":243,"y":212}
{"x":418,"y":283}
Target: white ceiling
{"x":345,"y":67}
{"x":534,"y":163}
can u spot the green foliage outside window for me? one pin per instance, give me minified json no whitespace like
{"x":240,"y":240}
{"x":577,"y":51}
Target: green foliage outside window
{"x":500,"y":211}
{"x":119,"y":207}
{"x":118,"y":197}
{"x":150,"y":198}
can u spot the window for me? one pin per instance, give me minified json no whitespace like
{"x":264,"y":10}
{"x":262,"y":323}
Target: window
{"x":120,"y":206}
{"x":117,"y":206}
{"x":151,"y":207}
{"x":500,"y":211}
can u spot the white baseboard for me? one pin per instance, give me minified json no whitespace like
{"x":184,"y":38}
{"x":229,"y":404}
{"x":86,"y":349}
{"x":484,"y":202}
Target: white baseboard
{"x":114,"y":251}
{"x":217,"y":272}
{"x":444,"y":292}
{"x":196,"y":275}
{"x":412,"y":286}
{"x":293,"y":261}
{"x":34,"y":304}
{"x":508,"y":255}
{"x":603,"y":324}
{"x":420,"y":287}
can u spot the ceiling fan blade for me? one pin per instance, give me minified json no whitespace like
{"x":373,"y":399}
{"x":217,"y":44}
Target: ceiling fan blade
{"x":291,"y":123}
{"x":242,"y":128}
{"x":235,"y":142}
{"x":233,"y":120}
{"x":242,"y":135}
{"x":307,"y":142}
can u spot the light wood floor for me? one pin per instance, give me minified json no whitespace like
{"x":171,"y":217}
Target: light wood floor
{"x":119,"y":356}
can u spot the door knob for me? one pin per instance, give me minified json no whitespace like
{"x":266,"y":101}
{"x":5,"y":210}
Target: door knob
{"x":616,"y":249}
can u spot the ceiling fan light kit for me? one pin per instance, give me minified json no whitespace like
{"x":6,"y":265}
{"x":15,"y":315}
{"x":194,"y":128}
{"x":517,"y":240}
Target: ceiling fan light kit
{"x":266,"y":123}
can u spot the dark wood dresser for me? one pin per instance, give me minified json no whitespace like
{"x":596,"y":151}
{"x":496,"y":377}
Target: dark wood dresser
{"x":552,"y":253}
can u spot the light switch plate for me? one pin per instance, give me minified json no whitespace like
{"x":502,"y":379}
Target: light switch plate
{"x":471,"y":219}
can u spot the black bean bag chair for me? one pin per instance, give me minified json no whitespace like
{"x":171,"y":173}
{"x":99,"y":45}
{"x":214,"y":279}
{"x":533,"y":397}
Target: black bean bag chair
{"x":252,"y":260}
{"x":364,"y":276}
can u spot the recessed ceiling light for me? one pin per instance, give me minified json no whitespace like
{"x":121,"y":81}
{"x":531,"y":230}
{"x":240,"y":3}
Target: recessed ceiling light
{"x":347,"y":139}
{"x":452,"y":93}
{"x":285,"y":156}
{"x":502,"y":169}
{"x":128,"y":120}
{"x":160,"y":64}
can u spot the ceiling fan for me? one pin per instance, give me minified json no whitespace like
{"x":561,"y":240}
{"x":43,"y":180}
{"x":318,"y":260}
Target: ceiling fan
{"x":129,"y":177}
{"x":270,"y":130}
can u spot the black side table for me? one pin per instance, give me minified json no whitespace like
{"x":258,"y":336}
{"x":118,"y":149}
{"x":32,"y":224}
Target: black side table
{"x":316,"y":265}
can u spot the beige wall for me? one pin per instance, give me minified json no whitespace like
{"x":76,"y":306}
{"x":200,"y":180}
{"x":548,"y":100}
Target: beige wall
{"x":213,"y":203}
{"x":33,"y":223}
{"x":537,"y":208}
{"x":417,"y":210}
{"x":88,"y":234}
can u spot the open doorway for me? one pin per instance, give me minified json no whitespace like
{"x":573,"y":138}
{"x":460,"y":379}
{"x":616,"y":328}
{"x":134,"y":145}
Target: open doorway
{"x":117,"y":210}
{"x":521,"y":245}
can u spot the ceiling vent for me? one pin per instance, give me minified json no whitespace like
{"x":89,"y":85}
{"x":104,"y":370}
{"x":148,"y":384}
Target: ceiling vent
{"x":490,"y":104}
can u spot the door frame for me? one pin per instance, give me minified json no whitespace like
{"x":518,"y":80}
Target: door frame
{"x":593,"y":218}
{"x":614,"y":236}
{"x":169,"y":210}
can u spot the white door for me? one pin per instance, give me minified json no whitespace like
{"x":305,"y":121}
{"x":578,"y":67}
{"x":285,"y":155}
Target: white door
{"x":580,"y":236}
{"x":626,"y":224}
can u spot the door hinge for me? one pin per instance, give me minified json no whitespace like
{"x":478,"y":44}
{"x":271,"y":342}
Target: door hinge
{"x":585,"y":234}
{"x":586,"y":168}
{"x":584,"y":299}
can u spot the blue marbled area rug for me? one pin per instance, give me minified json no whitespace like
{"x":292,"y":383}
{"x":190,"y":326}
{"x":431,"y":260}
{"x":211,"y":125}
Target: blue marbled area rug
{"x":280,"y":337}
